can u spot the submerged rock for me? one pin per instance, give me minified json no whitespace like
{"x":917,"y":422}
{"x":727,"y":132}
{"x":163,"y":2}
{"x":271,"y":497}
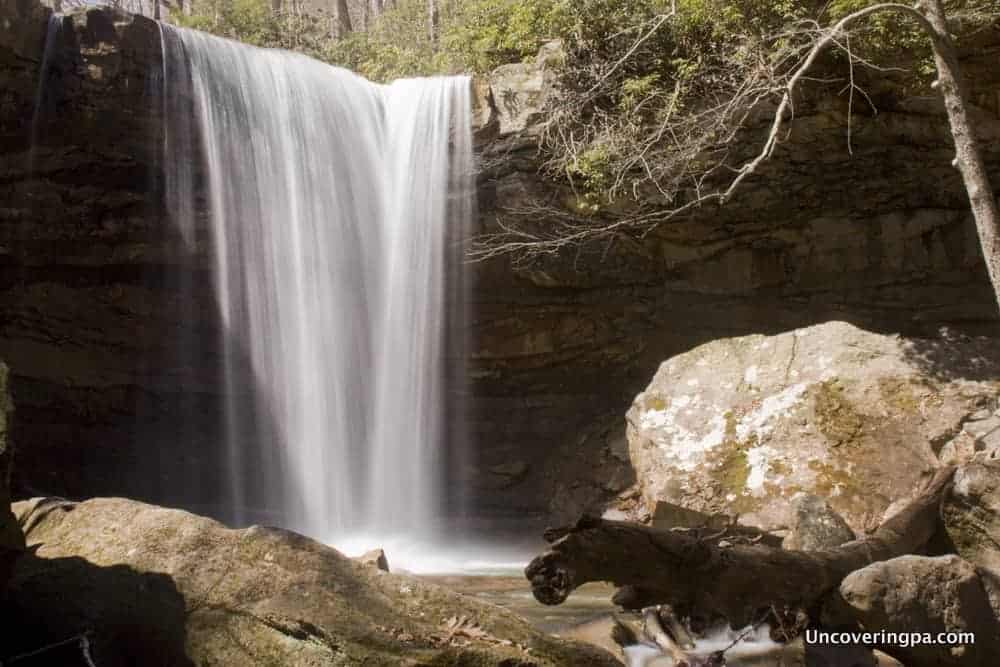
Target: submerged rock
{"x":145,"y":581}
{"x":919,"y":594}
{"x":740,"y":426}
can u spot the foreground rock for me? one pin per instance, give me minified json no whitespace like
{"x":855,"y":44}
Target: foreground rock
{"x":375,"y":558}
{"x":927,"y":595}
{"x":972,"y":520}
{"x":11,"y":540}
{"x":150,"y":581}
{"x":740,"y":426}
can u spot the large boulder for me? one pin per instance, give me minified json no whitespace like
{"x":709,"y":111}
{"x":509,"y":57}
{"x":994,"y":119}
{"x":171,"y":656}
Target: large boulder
{"x":971,"y":515}
{"x":741,"y":426}
{"x":11,"y":539}
{"x":920,"y":594}
{"x":143,"y":581}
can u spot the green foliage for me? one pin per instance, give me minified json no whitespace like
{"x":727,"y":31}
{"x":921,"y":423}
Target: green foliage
{"x":629,"y":70}
{"x":888,"y":39}
{"x":396,"y":45}
{"x":482,"y":34}
{"x":254,"y":22}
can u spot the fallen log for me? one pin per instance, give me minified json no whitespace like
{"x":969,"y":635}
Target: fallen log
{"x":654,"y":631}
{"x":734,"y":581}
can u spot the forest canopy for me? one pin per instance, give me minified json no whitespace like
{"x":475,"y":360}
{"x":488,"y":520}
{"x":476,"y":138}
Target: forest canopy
{"x":650,"y":93}
{"x":396,"y":39}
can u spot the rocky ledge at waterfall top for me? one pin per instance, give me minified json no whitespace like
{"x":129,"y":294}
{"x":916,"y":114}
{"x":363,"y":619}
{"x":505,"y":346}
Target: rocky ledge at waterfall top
{"x":880,"y":237}
{"x":144,"y":582}
{"x":744,"y":426}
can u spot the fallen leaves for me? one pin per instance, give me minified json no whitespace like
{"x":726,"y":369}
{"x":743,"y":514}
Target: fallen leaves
{"x":463,"y":630}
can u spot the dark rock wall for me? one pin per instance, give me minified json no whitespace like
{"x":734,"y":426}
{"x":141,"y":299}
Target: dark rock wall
{"x":11,"y":537}
{"x":880,"y":236}
{"x":92,"y":313}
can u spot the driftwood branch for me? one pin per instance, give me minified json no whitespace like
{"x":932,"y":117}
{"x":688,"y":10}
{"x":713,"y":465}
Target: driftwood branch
{"x":732,"y":581}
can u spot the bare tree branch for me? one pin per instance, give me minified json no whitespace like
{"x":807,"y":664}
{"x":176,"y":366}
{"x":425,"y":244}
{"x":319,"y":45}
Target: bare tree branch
{"x":686,"y":156}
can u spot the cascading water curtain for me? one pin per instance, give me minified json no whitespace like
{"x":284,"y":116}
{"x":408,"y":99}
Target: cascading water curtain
{"x":334,"y":207}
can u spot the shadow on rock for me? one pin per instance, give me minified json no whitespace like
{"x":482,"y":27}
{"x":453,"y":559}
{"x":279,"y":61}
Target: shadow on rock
{"x":128,"y":617}
{"x":955,"y":356}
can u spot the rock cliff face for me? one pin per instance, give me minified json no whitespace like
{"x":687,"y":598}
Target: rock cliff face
{"x":88,"y":312}
{"x":881,"y":238}
{"x":11,"y":539}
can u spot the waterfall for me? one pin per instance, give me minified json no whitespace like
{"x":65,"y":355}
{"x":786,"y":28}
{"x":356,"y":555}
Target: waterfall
{"x":333,"y":208}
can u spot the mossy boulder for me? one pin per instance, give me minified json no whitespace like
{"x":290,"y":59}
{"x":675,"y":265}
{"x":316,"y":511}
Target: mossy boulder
{"x":148,"y":581}
{"x":741,"y":426}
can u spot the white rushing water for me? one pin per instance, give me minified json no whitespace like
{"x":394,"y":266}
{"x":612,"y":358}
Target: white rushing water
{"x":747,"y":646}
{"x":335,"y":206}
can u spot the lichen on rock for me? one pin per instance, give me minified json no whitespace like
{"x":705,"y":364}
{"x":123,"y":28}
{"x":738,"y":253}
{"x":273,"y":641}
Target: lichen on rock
{"x":740,"y":426}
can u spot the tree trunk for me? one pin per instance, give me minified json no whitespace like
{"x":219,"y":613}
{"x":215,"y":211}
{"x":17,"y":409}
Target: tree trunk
{"x":341,"y":19}
{"x":719,"y":579}
{"x":967,"y":156}
{"x":432,"y":20}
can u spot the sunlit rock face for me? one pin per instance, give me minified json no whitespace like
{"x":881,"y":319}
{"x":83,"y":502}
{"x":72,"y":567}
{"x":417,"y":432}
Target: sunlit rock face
{"x":741,"y":426}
